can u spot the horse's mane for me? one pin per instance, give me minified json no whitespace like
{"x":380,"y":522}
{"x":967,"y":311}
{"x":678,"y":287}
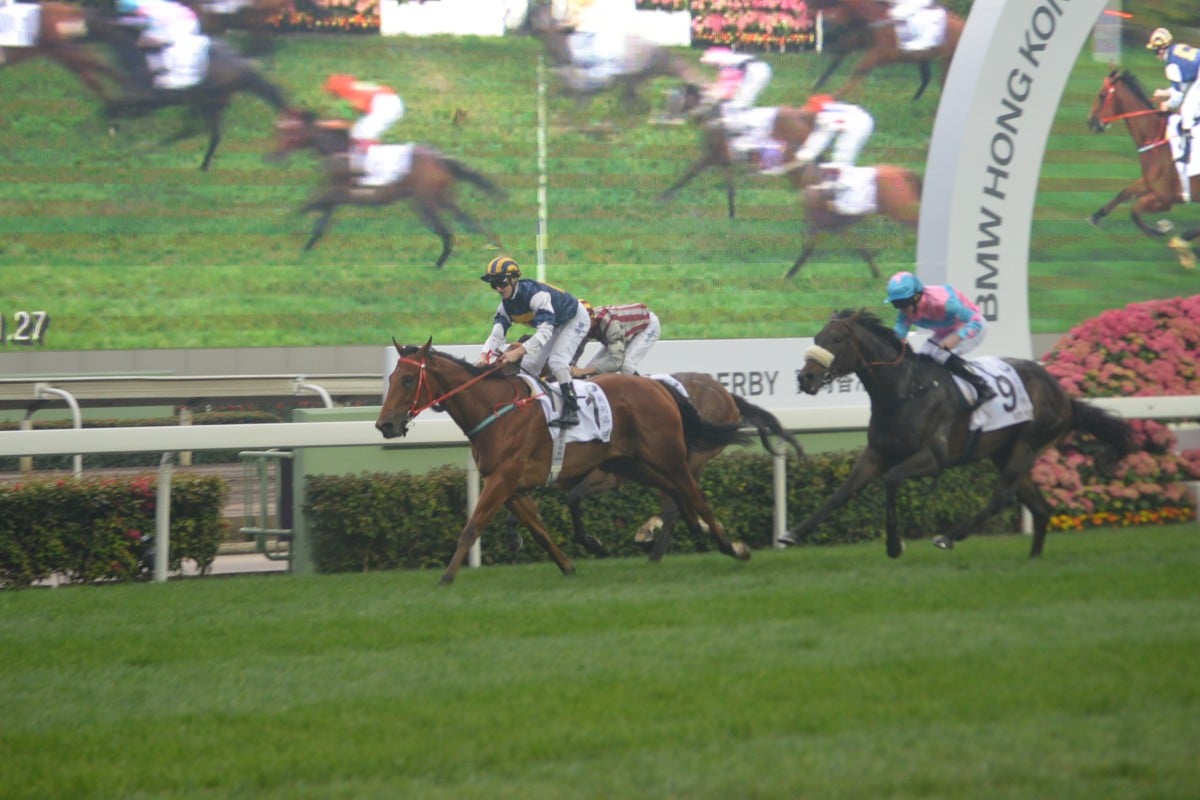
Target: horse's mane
{"x":871,"y":322}
{"x":408,"y":350}
{"x":1135,"y":86}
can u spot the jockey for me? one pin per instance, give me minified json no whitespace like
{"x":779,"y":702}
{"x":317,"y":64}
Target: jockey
{"x":1182,"y":98}
{"x":560,"y":323}
{"x":381,"y":108}
{"x":626,"y":334}
{"x":844,"y":125}
{"x":741,"y":78}
{"x":958,"y":326}
{"x":177,"y":52}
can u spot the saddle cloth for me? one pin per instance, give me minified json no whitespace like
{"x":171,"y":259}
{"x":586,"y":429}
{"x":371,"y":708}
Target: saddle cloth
{"x":1010,"y":406}
{"x":1177,"y":143}
{"x":924,"y":30}
{"x":854,"y":194}
{"x":595,"y":413}
{"x":20,"y":24}
{"x":663,"y":377}
{"x":386,"y":163}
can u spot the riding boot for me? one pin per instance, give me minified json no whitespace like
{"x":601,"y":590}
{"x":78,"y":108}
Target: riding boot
{"x":569,"y":417}
{"x":959,"y":367}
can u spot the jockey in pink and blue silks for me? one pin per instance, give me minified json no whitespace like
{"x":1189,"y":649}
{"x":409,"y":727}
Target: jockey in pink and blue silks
{"x":957,"y":326}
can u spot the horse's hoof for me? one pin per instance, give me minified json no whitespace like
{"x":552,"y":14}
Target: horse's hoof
{"x":1164,"y":226}
{"x":446,"y":580}
{"x":895,"y":551}
{"x":943,"y":542}
{"x":741,"y":551}
{"x":1183,"y":251}
{"x":645,"y":534}
{"x":788,"y":538}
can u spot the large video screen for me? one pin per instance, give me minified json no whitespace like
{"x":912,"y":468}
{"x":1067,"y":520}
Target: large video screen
{"x":113,"y":237}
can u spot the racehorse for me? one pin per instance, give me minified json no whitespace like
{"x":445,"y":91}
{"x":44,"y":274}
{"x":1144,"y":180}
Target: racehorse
{"x":642,"y":61}
{"x":64,"y":29}
{"x":428,"y":184}
{"x":228,"y":73}
{"x":919,"y":426}
{"x":791,"y":127}
{"x":715,"y":404}
{"x":870,"y":28}
{"x":1122,"y":97}
{"x":653,"y":429}
{"x":897,"y":197}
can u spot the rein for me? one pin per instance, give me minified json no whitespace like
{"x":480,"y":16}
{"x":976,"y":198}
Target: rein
{"x":1110,"y":93}
{"x":416,"y":407}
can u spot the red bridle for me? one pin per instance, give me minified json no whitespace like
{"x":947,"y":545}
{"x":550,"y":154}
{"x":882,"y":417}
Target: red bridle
{"x":1109,"y":91}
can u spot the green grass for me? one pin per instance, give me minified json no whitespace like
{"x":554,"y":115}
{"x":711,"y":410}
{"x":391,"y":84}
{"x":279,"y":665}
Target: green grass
{"x":817,"y":673}
{"x":128,"y":245}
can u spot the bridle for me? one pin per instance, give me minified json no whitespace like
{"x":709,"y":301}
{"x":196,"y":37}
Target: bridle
{"x":829,"y":377}
{"x":1109,"y":92}
{"x":432,"y":398}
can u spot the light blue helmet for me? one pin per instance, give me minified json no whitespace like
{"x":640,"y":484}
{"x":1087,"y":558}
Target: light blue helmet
{"x":127,"y":6}
{"x":903,"y":286}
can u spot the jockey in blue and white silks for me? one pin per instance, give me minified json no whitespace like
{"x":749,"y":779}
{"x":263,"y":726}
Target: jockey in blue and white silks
{"x":560,"y":323}
{"x":1182,"y":97}
{"x":957,"y":325}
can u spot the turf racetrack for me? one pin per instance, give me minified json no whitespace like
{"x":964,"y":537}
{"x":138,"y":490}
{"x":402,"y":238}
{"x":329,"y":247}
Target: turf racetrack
{"x":815,"y":673}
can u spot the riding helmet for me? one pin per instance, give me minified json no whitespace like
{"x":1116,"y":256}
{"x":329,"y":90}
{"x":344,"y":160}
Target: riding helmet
{"x":1159,"y":39}
{"x":817,"y":103}
{"x":500,"y":268}
{"x":903,"y":286}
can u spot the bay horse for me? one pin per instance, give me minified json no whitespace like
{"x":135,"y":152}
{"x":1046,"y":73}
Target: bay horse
{"x":715,"y":404}
{"x":897,"y":197}
{"x":871,"y":29}
{"x":643,"y":61}
{"x":228,"y":73}
{"x":1122,"y":97}
{"x":428,"y":185}
{"x":653,"y":429}
{"x":919,"y":427}
{"x":64,"y":33}
{"x":791,"y":126}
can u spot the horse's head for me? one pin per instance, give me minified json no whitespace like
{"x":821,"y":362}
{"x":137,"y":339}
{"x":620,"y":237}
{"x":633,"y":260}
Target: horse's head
{"x":405,"y":385}
{"x":299,"y":129}
{"x":849,"y":341}
{"x":1121,"y":96}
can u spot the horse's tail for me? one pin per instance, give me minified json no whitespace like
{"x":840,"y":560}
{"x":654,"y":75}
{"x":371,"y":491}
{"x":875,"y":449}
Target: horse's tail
{"x":767,"y":424}
{"x":701,"y":434}
{"x":463,"y":172}
{"x":1106,"y":426}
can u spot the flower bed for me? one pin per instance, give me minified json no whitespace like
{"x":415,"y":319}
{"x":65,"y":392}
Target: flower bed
{"x":1144,"y":349}
{"x":329,"y":16}
{"x":744,"y":24}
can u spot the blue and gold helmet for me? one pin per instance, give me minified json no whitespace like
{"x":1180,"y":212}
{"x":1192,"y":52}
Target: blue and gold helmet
{"x":127,"y":6}
{"x":501,"y":269}
{"x":903,"y":286}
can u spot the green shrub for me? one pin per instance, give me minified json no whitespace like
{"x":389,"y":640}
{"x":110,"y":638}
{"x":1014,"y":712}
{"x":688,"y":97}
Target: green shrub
{"x":97,"y":529}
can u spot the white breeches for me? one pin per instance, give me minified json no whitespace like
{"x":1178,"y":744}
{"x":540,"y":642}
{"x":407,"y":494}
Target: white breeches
{"x":932,"y":348}
{"x":386,"y":111}
{"x":561,"y":348}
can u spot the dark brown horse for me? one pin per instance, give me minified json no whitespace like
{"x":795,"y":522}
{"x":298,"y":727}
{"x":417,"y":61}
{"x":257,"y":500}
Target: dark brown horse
{"x":790,"y":128}
{"x":1122,"y":97}
{"x":653,"y":429}
{"x":64,"y":35}
{"x":254,"y":18}
{"x":428,"y":185}
{"x":643,"y":61}
{"x":919,"y":427}
{"x":715,"y":404}
{"x":869,"y":28}
{"x":897,"y":197}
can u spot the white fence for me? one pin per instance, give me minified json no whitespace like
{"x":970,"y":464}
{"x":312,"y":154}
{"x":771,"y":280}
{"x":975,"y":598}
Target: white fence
{"x":432,"y":430}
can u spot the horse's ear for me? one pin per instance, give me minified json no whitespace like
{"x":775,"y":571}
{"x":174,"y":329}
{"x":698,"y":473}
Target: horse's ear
{"x":424,"y":351}
{"x":396,"y":345}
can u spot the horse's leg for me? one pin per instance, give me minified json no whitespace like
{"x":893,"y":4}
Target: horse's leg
{"x":433,"y":221}
{"x":668,"y":516}
{"x":810,"y":245}
{"x":1124,"y":196}
{"x":527,"y":511}
{"x":926,"y":72}
{"x":513,"y":539}
{"x":213,"y":117}
{"x":471,"y":224}
{"x":868,"y":467}
{"x":1031,"y":496}
{"x":1002,"y":496}
{"x":834,"y":63}
{"x":596,"y":481}
{"x":697,"y":166}
{"x":322,"y":222}
{"x":895,"y":545}
{"x":869,"y":257}
{"x":496,"y":490}
{"x":729,"y":187}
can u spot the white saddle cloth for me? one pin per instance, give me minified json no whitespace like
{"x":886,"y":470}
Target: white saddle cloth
{"x":595,"y":413}
{"x":1010,"y":406}
{"x":386,"y":163}
{"x":924,"y":30}
{"x":855,"y":194}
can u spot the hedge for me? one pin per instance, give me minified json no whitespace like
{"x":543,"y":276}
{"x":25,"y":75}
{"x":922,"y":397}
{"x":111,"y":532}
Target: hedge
{"x":102,"y":529}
